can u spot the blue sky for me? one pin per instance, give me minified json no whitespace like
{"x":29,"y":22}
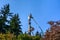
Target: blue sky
{"x":42,"y":10}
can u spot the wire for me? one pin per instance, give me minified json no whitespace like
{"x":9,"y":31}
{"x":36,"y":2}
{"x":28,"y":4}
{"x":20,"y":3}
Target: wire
{"x":38,"y":25}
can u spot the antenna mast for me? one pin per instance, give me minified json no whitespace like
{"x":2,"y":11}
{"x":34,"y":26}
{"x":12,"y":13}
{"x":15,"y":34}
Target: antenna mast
{"x":29,"y":24}
{"x":30,"y":28}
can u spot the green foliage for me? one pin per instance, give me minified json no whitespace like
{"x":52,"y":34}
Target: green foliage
{"x":3,"y":18}
{"x":14,"y":22}
{"x":27,"y":37}
{"x":10,"y":36}
{"x":15,"y":25}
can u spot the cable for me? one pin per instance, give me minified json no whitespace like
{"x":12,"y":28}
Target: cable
{"x":38,"y":25}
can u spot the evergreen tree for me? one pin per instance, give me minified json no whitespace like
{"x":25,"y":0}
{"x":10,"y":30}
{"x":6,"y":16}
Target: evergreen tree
{"x":4,"y":13}
{"x":15,"y":25}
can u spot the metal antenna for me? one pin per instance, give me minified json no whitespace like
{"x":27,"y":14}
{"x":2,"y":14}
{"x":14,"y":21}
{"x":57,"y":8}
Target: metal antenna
{"x":30,"y":29}
{"x":29,"y":24}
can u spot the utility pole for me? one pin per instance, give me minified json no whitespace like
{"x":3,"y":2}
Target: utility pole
{"x":29,"y":24}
